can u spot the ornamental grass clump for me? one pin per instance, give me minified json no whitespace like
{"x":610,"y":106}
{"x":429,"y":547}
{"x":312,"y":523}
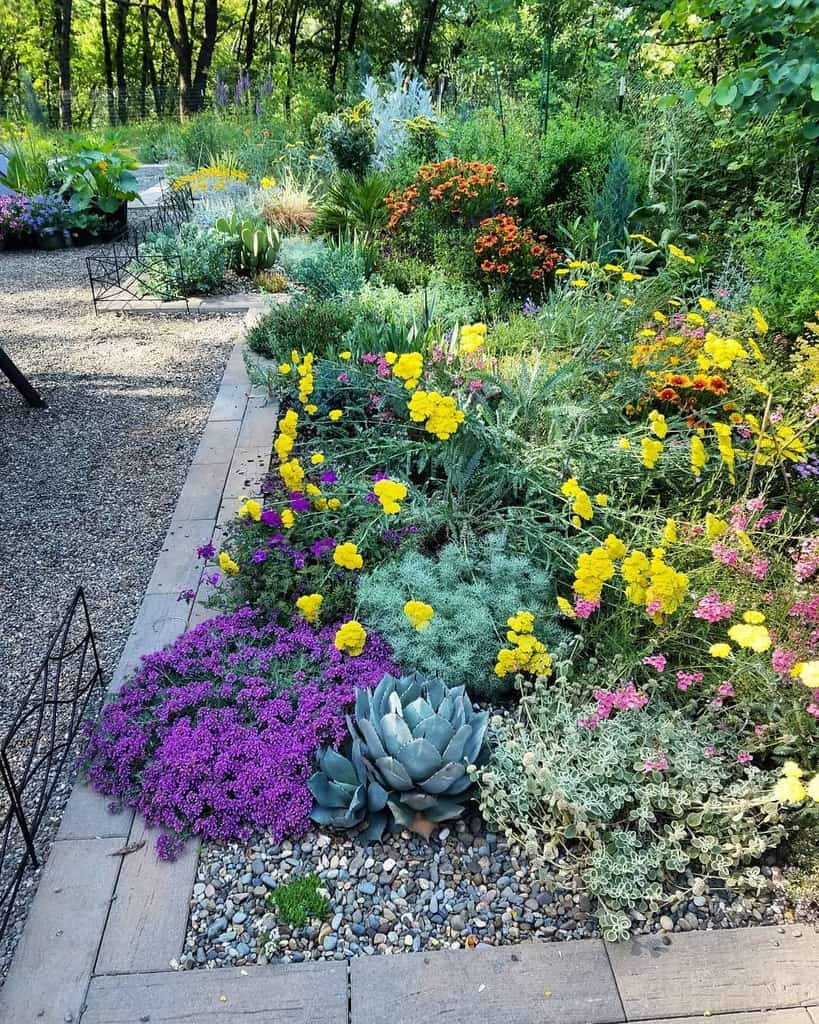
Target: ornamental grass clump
{"x":215,"y":735}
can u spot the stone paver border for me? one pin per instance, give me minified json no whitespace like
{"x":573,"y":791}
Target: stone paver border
{"x":105,"y":925}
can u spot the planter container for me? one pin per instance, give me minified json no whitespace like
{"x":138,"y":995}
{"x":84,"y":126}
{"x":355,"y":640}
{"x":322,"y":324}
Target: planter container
{"x":52,"y":240}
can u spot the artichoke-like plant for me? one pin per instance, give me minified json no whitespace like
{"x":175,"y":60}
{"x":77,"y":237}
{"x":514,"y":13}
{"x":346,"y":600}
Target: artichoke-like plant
{"x":413,"y":740}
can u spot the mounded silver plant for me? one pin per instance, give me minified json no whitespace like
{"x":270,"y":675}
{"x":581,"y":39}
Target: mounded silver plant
{"x":413,"y":740}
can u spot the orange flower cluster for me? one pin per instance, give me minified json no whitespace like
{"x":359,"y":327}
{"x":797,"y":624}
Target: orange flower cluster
{"x":507,"y":248}
{"x":671,"y":390}
{"x":452,"y":189}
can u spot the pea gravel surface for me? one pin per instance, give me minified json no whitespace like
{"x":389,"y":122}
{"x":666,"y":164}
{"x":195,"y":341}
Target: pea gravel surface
{"x":89,"y":484}
{"x":466,"y":888}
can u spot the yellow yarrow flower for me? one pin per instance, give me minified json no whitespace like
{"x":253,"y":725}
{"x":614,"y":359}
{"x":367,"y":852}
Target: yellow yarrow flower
{"x":752,"y":637}
{"x":350,"y":638}
{"x":699,"y":456}
{"x":809,"y":674}
{"x":288,"y":518}
{"x":309,"y":606}
{"x":389,"y":494}
{"x":317,"y":458}
{"x":419,"y":613}
{"x":720,"y":650}
{"x":651,"y":452}
{"x":335,"y":415}
{"x":677,"y":253}
{"x":347,"y":556}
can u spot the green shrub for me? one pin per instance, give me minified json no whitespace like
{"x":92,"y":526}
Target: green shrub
{"x":783,"y":260}
{"x":332,"y":271}
{"x":192,"y":261}
{"x":443,"y":302}
{"x":299,"y":900}
{"x":405,"y":274}
{"x":305,"y":324}
{"x":632,"y":797}
{"x":473,"y":590}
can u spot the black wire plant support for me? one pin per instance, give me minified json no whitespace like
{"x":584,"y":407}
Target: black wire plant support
{"x":38,"y":744}
{"x":122,"y":274}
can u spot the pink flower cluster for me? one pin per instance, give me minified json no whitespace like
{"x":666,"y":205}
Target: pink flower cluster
{"x":713,"y":609}
{"x":626,"y":698}
{"x":657,"y":661}
{"x":806,"y":559}
{"x":658,"y":763}
{"x":688,"y":679}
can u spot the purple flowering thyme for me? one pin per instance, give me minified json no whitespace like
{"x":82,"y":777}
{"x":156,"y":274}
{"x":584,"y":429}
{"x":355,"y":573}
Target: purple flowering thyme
{"x":215,"y":735}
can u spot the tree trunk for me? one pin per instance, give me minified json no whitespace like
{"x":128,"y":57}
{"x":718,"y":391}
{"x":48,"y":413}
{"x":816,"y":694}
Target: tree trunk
{"x":807,"y":186}
{"x":292,"y":44}
{"x":107,"y":63}
{"x":121,"y":30}
{"x":250,"y":33}
{"x":192,"y":72}
{"x":355,"y":17}
{"x":62,"y":38}
{"x":335,"y":53}
{"x":426,"y":25}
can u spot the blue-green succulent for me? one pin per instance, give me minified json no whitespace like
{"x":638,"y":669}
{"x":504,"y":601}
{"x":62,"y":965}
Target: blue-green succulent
{"x":413,"y":740}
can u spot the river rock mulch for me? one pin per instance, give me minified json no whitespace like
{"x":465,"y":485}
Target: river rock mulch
{"x":465,"y":888}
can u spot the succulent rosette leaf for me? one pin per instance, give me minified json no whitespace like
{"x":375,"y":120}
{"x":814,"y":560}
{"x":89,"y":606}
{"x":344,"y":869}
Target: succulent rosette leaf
{"x":413,"y":741}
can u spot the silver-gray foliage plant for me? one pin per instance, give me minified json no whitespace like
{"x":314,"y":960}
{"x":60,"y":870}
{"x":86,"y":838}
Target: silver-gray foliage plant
{"x":473,"y":589}
{"x":392,"y":107}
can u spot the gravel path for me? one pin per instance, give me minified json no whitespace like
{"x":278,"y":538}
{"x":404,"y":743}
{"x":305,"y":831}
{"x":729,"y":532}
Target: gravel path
{"x":88,"y":485}
{"x":467,"y":887}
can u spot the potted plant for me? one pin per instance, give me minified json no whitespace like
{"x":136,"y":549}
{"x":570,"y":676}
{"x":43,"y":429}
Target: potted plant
{"x":99,"y":184}
{"x":14,"y":226}
{"x":49,"y":220}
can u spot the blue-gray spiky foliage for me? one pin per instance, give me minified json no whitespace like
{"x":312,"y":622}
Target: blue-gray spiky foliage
{"x":413,"y":742}
{"x":473,"y":589}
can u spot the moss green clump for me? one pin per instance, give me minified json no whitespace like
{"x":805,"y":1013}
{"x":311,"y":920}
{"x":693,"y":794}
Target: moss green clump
{"x":298,"y":900}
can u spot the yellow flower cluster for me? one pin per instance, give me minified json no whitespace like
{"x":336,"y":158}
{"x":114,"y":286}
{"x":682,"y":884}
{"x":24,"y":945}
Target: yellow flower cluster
{"x":774,"y":446}
{"x":250,"y":510}
{"x":268,"y":182}
{"x":720,"y":352}
{"x":439,"y":413}
{"x":347,"y":556}
{"x":751,"y":633}
{"x":350,"y":638}
{"x":305,"y":372}
{"x":214,"y":178}
{"x":286,"y":437}
{"x":408,"y":367}
{"x":653,"y":583}
{"x":527,"y":653}
{"x":390,"y":493}
{"x":651,"y":451}
{"x":657,"y":424}
{"x":292,"y":474}
{"x":471,"y":339}
{"x":419,"y":613}
{"x":790,"y":789}
{"x":309,"y":606}
{"x":227,"y":565}
{"x":726,"y":448}
{"x":594,"y":569}
{"x":580,"y":501}
{"x":809,"y":674}
{"x":699,"y":456}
